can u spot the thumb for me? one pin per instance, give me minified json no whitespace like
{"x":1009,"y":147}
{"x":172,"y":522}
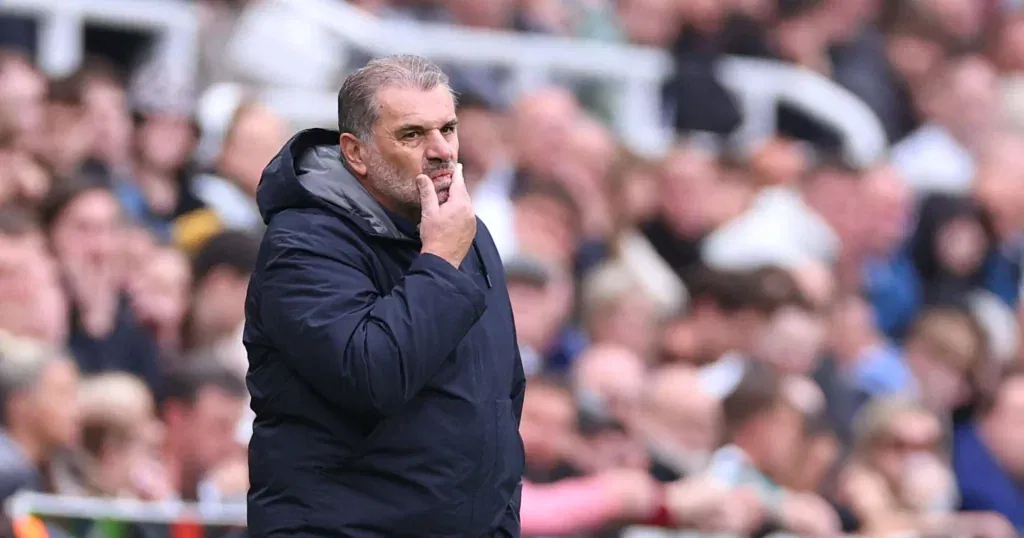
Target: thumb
{"x":428,"y":196}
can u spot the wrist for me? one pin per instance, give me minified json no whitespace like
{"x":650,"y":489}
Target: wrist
{"x":661,"y":515}
{"x":452,"y":260}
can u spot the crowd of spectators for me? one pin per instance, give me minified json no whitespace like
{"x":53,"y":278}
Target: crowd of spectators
{"x":739,"y":338}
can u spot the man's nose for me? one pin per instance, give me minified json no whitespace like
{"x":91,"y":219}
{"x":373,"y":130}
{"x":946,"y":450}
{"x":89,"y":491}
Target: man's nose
{"x":439,"y":147}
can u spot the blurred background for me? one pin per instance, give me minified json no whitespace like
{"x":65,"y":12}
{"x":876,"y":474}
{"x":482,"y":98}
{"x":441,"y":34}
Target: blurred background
{"x":765,"y":256}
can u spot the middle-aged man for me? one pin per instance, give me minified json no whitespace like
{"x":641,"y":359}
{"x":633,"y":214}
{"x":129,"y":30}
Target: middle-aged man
{"x":383,"y":364}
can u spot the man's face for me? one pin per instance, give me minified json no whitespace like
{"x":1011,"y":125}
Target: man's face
{"x":969,"y":104}
{"x":220,"y":301}
{"x":689,"y":178}
{"x":542,"y":123}
{"x":211,"y":424}
{"x":55,"y":404}
{"x":484,"y":145}
{"x":548,"y":418}
{"x":632,"y":323}
{"x":415,"y":134}
{"x":69,"y":135}
{"x":1005,"y":433}
{"x":650,"y":22}
{"x":22,"y":91}
{"x":888,"y":203}
{"x":32,"y":302}
{"x":88,"y":232}
{"x":615,"y":376}
{"x":527,"y":299}
{"x":908,"y":434}
{"x":254,"y":140}
{"x":165,"y":141}
{"x":160,"y":291}
{"x":546,"y":228}
{"x":784,"y":427}
{"x":107,"y":108}
{"x":482,"y":13}
{"x":682,"y":418}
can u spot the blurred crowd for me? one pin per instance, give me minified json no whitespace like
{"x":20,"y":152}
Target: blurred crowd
{"x":733,"y":337}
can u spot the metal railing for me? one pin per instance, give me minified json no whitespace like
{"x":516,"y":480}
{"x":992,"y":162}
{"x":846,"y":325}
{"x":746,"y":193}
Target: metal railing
{"x":62,"y":24}
{"x":293,"y":46}
{"x":27,"y":503}
{"x":276,"y":40}
{"x":275,"y":35}
{"x":24,"y":504}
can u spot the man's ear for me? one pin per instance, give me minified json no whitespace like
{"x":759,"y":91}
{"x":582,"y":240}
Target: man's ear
{"x":352,"y":153}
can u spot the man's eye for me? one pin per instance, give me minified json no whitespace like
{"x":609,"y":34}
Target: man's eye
{"x":448,"y":129}
{"x":410,"y":136}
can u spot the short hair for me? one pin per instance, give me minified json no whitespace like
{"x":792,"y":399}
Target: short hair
{"x":556,"y":193}
{"x":778,"y":287}
{"x":97,"y":69}
{"x":184,"y":383}
{"x":759,"y":390}
{"x":357,"y":100}
{"x":109,"y":405}
{"x":875,"y":419}
{"x":249,"y":105}
{"x":22,"y":363}
{"x":954,"y":334}
{"x":734,"y":291}
{"x":68,"y":91}
{"x":233,"y":249}
{"x":67,"y":191}
{"x":605,"y":286}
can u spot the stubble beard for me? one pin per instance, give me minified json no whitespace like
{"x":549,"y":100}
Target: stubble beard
{"x":388,"y":181}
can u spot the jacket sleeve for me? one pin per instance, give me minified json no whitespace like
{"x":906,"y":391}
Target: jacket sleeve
{"x":362,"y":351}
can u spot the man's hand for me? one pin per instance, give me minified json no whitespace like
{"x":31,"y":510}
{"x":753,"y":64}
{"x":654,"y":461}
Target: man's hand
{"x":741,"y":512}
{"x":636,"y":490}
{"x":447,"y":230}
{"x":710,"y":506}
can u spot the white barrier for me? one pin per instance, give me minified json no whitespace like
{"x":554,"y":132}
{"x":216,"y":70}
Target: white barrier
{"x":279,"y":39}
{"x":280,"y":42}
{"x":128,"y":510}
{"x":62,"y":23}
{"x":27,"y":503}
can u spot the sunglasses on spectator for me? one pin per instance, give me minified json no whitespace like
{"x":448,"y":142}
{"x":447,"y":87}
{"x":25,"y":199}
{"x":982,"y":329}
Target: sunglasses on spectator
{"x":904,"y":445}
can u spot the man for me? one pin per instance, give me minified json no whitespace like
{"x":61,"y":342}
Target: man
{"x":201,"y":407}
{"x":252,"y":138}
{"x":986,"y":453}
{"x":764,"y":430}
{"x":22,"y":92}
{"x":38,"y":411}
{"x":383,"y":364}
{"x":32,"y":303}
{"x":220,"y":277}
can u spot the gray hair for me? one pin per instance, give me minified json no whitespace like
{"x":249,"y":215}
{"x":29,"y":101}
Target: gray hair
{"x":22,"y":362}
{"x":357,"y":99}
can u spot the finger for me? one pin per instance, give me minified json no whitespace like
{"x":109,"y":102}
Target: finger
{"x":428,"y":196}
{"x":458,"y":186}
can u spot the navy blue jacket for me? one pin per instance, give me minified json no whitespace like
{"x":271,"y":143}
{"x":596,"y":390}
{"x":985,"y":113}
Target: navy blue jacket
{"x":387,"y":384}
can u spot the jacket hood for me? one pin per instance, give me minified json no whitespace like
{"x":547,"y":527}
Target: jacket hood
{"x":309,"y":172}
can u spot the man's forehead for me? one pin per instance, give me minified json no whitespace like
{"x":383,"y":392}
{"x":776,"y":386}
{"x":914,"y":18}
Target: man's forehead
{"x":413,"y":106}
